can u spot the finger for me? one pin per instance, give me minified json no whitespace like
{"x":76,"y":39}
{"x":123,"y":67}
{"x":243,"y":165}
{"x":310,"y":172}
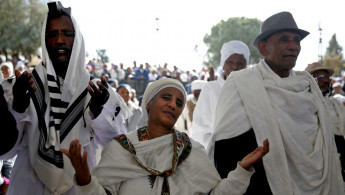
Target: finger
{"x":94,"y":88}
{"x":101,"y":86}
{"x":84,"y":159}
{"x":266,"y":146}
{"x":90,"y":91}
{"x":105,"y":81}
{"x":66,"y":152}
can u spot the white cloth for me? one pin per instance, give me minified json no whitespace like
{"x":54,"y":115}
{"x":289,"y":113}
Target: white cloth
{"x":119,"y":173}
{"x":32,"y":174}
{"x":202,"y":125}
{"x":152,"y":89}
{"x":337,"y":115}
{"x":10,"y":69}
{"x":131,"y":122}
{"x":291,"y":113}
{"x":198,"y":84}
{"x":234,"y":47}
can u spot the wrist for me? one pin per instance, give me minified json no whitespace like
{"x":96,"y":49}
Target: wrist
{"x":83,"y":181}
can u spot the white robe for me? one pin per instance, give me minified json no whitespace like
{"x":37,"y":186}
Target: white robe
{"x":119,"y":173}
{"x":31,"y":173}
{"x":291,"y":113}
{"x":204,"y":111}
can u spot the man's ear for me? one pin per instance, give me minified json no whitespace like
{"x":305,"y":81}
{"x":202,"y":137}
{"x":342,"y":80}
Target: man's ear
{"x":262,"y":47}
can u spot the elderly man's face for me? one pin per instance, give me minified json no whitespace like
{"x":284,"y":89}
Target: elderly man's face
{"x":59,"y":41}
{"x":323,"y":80}
{"x":234,"y":63}
{"x":281,"y":50}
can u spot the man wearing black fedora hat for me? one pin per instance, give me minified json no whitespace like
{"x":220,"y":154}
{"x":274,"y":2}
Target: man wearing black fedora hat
{"x":273,"y":101}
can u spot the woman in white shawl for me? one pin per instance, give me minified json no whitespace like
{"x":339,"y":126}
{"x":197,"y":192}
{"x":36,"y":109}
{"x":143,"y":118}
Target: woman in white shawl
{"x":157,"y":159}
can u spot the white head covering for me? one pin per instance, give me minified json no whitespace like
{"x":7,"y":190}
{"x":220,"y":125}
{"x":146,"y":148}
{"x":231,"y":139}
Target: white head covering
{"x":340,"y":98}
{"x":198,"y":84}
{"x":10,"y":67}
{"x":336,"y":84}
{"x":151,"y":91}
{"x":234,"y":47}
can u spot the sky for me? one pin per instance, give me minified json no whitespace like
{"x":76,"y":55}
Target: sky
{"x":127,"y":29}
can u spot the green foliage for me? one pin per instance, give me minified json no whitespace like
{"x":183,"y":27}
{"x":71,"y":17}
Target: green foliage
{"x":334,"y":49}
{"x":21,"y":25}
{"x":334,"y":56}
{"x":102,"y":54}
{"x":238,"y":28}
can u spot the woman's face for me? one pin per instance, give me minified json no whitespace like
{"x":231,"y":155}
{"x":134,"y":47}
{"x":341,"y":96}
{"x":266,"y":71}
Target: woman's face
{"x":124,"y":93}
{"x":166,"y":107}
{"x":5,"y":71}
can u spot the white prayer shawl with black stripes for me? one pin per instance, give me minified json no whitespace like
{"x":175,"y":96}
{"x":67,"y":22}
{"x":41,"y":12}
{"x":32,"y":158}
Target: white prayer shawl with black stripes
{"x":59,"y":112}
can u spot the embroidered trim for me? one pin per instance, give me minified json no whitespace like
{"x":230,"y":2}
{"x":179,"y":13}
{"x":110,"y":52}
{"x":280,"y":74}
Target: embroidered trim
{"x":181,"y":141}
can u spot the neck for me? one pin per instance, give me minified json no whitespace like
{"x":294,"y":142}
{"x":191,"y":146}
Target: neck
{"x":283,"y":73}
{"x":157,"y":130}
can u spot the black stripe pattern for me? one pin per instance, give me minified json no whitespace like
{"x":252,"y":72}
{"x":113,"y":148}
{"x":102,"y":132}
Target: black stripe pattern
{"x":62,"y":117}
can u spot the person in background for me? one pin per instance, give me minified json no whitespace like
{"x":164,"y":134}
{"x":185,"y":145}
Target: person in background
{"x":192,"y":99}
{"x":131,"y":123}
{"x":234,"y":57}
{"x":336,"y":110}
{"x":6,"y":70}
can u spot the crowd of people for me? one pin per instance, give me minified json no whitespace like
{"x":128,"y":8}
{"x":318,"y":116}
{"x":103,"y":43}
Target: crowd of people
{"x":72,"y":128}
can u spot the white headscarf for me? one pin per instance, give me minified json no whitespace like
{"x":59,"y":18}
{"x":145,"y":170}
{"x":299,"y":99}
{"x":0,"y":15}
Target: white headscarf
{"x":198,"y":84}
{"x":151,"y":91}
{"x":234,"y":47}
{"x":10,"y":67}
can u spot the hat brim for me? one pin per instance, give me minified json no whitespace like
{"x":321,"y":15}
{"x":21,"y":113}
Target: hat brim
{"x":268,"y":33}
{"x":328,"y":70}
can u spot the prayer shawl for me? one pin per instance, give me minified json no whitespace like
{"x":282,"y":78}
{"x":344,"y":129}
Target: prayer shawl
{"x":291,"y":113}
{"x":202,"y":125}
{"x":118,"y":169}
{"x":42,"y":143}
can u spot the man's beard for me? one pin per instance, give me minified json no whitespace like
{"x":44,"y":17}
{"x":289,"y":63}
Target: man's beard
{"x":60,"y":62}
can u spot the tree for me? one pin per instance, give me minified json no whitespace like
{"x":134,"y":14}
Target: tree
{"x":102,"y":54}
{"x":334,"y":49}
{"x":238,"y":28}
{"x":20,"y":26}
{"x":334,"y":56}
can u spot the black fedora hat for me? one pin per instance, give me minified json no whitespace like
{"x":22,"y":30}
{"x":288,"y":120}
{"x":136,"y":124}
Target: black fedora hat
{"x":278,"y":22}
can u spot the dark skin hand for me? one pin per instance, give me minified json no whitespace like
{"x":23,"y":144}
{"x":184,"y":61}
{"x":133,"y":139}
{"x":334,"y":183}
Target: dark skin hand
{"x":82,"y":171}
{"x":79,"y":162}
{"x":99,"y":95}
{"x":211,"y":71}
{"x":21,"y":91}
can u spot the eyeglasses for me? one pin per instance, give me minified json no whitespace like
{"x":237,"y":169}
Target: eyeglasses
{"x":323,"y":78}
{"x":55,"y":34}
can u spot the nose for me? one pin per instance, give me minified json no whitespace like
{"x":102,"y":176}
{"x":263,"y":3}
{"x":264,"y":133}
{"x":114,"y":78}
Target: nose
{"x":59,"y":38}
{"x":293,"y":45}
{"x":172,"y":104}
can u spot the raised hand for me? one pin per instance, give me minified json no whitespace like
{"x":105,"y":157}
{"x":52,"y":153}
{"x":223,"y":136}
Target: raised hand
{"x":252,"y":158}
{"x":99,"y":95}
{"x":79,"y":162}
{"x":21,"y":91}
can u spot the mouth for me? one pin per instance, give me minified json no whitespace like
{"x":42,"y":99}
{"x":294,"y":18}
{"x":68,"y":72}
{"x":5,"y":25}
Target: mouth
{"x":290,"y":56}
{"x":169,"y":113}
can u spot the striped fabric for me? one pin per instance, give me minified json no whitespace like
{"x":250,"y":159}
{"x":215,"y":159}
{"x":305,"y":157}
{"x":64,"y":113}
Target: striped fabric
{"x":58,"y":108}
